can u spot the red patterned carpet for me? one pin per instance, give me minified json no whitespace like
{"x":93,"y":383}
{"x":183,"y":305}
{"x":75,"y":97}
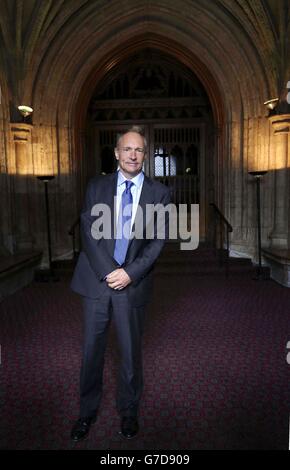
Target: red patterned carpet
{"x":216,"y":375}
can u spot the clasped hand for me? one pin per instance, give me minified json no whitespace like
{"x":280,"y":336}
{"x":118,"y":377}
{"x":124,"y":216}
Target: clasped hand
{"x":118,"y":279}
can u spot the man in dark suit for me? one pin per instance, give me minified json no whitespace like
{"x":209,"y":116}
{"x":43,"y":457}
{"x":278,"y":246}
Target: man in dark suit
{"x":114,"y":277}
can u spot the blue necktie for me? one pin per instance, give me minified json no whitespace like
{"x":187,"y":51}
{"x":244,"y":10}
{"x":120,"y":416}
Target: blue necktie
{"x":124,"y":224}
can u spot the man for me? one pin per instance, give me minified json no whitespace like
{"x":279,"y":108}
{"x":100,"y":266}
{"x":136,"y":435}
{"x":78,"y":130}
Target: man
{"x":114,"y":277}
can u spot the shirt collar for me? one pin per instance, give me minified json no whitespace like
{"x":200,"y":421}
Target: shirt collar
{"x":137,"y":180}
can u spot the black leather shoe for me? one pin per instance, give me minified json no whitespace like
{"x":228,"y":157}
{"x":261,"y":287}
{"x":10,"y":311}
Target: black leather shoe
{"x":81,"y":428}
{"x":129,"y":426}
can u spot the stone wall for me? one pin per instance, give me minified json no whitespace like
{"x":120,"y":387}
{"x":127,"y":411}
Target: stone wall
{"x":72,"y":47}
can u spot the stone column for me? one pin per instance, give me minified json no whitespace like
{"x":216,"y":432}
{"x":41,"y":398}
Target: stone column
{"x":281,"y":126}
{"x":21,"y":135}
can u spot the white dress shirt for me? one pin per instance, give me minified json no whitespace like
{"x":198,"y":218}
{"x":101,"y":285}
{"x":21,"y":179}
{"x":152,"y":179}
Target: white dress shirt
{"x":136,"y":189}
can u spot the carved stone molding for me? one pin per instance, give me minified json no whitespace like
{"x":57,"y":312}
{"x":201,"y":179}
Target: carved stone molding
{"x":21,"y":132}
{"x":21,"y":135}
{"x":280,"y":123}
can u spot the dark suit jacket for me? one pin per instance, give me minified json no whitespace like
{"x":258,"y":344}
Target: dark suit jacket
{"x":96,"y":257}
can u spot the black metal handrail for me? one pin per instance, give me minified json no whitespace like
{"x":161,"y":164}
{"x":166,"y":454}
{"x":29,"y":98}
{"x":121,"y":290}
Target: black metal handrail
{"x":72,"y":233}
{"x":223,"y":224}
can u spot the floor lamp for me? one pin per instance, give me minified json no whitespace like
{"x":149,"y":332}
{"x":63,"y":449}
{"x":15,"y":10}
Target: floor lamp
{"x":49,"y":274}
{"x":258,"y":175}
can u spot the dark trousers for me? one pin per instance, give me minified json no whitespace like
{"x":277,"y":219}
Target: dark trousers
{"x":129,"y":322}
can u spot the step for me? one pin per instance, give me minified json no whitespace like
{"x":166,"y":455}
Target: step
{"x":17,"y":271}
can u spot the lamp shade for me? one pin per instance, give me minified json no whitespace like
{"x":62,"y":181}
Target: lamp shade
{"x":258,"y":173}
{"x":45,"y":177}
{"x":25,"y":110}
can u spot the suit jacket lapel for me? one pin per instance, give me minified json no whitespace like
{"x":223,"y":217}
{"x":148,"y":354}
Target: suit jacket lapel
{"x":146,"y":197}
{"x":109,"y":195}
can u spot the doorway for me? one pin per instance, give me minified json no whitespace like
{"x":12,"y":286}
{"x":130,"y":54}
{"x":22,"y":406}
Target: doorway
{"x":163,"y":96}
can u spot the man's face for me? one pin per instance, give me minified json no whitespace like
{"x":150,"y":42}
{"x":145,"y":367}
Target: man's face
{"x":131,"y":154}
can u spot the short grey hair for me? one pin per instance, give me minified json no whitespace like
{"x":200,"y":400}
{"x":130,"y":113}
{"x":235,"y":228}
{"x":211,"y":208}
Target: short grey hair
{"x":137,"y":129}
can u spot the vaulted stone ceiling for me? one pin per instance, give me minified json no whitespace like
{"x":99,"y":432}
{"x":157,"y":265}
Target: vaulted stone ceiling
{"x":55,"y":53}
{"x":31,"y":29}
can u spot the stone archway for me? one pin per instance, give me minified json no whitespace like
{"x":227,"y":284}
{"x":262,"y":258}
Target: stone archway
{"x":154,"y":90}
{"x":7,"y":238}
{"x":122,"y":54}
{"x":206,"y":40}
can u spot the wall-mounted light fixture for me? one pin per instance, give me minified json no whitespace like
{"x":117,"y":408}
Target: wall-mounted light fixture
{"x":25,"y":111}
{"x":271,"y":105}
